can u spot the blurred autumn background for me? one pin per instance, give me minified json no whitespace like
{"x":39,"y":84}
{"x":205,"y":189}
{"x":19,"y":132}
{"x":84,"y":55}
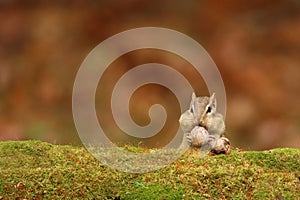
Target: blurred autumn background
{"x":255,"y":44}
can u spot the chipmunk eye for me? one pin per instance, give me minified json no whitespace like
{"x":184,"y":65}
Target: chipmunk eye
{"x":208,"y":109}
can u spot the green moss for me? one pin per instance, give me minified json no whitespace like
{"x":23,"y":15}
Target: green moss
{"x":1,"y":187}
{"x":153,"y":191}
{"x":38,"y":170}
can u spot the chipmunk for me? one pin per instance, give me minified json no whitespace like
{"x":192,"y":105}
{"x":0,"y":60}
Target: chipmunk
{"x":202,"y":125}
{"x":203,"y":112}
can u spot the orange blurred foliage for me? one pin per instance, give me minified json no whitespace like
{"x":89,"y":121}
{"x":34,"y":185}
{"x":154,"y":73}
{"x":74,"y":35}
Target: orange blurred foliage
{"x":255,"y":45}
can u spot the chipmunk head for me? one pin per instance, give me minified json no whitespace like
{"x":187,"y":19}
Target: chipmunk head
{"x":203,"y":107}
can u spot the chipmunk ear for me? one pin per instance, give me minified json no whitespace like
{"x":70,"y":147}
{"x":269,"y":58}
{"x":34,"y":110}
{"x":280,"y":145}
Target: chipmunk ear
{"x":193,"y":96}
{"x":213,"y":102}
{"x":192,"y":109}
